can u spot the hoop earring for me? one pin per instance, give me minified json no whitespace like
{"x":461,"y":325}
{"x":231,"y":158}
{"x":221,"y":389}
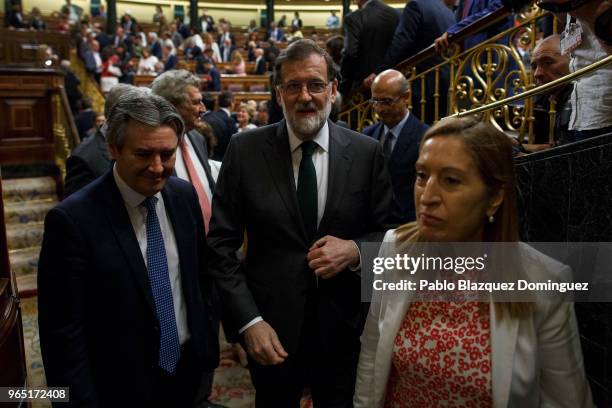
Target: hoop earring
{"x":491,"y":219}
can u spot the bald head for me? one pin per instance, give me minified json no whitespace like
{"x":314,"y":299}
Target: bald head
{"x":391,"y":95}
{"x":547,"y":63}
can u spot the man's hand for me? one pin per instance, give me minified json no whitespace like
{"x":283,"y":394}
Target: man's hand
{"x":263,"y":345}
{"x":330,"y":255}
{"x":441,"y":43}
{"x":367,"y":82}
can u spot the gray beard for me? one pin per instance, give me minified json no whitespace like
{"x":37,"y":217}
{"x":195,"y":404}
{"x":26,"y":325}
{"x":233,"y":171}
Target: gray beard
{"x":307,"y":128}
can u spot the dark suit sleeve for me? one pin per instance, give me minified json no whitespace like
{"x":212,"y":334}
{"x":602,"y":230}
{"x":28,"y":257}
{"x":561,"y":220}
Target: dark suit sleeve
{"x":350,"y":52}
{"x":469,"y":20}
{"x":404,"y":37}
{"x":61,"y":307}
{"x":382,"y":211}
{"x":224,"y":239}
{"x":78,"y":175}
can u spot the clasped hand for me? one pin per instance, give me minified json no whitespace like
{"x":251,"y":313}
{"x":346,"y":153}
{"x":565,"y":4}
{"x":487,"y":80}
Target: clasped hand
{"x":330,"y":255}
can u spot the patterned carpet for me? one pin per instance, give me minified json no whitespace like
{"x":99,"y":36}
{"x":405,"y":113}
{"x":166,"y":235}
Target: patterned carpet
{"x":232,"y":386}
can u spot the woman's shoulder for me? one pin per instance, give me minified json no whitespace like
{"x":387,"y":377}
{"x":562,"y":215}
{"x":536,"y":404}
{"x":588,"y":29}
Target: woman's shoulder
{"x":539,"y":266}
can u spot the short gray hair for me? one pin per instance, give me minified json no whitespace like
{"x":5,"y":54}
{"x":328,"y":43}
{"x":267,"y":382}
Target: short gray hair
{"x":172,"y":86}
{"x":113,"y":96}
{"x":144,"y":108}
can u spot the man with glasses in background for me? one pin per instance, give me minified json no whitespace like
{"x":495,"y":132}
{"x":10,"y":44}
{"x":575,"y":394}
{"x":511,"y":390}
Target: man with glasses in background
{"x":307,"y":192}
{"x":400,"y":133}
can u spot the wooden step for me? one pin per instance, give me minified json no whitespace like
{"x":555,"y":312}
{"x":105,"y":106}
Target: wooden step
{"x":26,"y":189}
{"x":21,"y":236}
{"x":23,"y":212}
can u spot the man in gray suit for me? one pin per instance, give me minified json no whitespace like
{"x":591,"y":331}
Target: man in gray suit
{"x":307,"y":192}
{"x":367,"y":35}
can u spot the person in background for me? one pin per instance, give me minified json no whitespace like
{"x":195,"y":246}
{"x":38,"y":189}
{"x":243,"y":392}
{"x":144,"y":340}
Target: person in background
{"x":72,"y":12}
{"x":260,"y":62}
{"x":86,"y":117}
{"x":332,"y":21}
{"x":207,"y":22}
{"x":14,"y":17}
{"x":261,"y":118}
{"x":334,"y":46}
{"x":238,"y":65}
{"x":210,"y":44}
{"x":368,"y":32}
{"x":227,"y":49}
{"x":489,"y":353}
{"x":155,"y":44}
{"x":252,"y":28}
{"x":146,"y":65}
{"x":282,"y":23}
{"x":100,"y":119}
{"x":168,"y":56}
{"x":244,"y":116}
{"x":111,"y":72}
{"x":275,"y":33}
{"x":137,"y":46}
{"x":296,"y":34}
{"x":547,"y":64}
{"x":211,"y":75}
{"x":36,"y":21}
{"x":297,"y":21}
{"x":159,"y":13}
{"x":400,"y":133}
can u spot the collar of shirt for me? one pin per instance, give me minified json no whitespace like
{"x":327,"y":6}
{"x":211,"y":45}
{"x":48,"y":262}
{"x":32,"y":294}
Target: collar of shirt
{"x":397,"y":129}
{"x":322,"y":138}
{"x":226,"y":111}
{"x":130,"y":196}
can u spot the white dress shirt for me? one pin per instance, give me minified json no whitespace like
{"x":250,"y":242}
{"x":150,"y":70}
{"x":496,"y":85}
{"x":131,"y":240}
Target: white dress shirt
{"x":138,"y":217}
{"x":181,"y":169}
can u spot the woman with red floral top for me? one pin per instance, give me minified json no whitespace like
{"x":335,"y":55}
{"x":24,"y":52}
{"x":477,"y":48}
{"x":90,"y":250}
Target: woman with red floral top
{"x":468,"y":353}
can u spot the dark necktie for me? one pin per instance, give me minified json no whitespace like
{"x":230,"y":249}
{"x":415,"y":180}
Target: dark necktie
{"x":307,"y":189}
{"x":157,"y":265}
{"x":388,"y":145}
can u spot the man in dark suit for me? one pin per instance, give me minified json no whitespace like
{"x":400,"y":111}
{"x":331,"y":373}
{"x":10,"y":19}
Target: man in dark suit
{"x":222,"y":123}
{"x":400,"y":133}
{"x":367,"y":35}
{"x":306,"y":191}
{"x":91,"y":159}
{"x":421,"y":22}
{"x":86,"y":118}
{"x":261,"y":66}
{"x":226,"y":50}
{"x":124,"y":297}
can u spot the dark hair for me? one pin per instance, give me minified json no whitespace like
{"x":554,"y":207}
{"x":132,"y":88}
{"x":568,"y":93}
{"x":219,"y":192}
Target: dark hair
{"x":299,"y":51}
{"x":225,"y":99}
{"x":209,"y":101}
{"x":334,"y":45}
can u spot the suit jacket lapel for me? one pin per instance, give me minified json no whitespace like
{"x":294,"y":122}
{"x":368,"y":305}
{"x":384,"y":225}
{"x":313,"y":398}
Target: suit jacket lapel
{"x":404,"y":140}
{"x":122,"y":227}
{"x":503,"y":345}
{"x":180,"y":226}
{"x":339,"y":166}
{"x":278,"y":158}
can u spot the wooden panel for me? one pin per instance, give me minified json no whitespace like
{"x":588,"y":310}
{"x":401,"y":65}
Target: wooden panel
{"x":26,"y":115}
{"x":23,"y":47}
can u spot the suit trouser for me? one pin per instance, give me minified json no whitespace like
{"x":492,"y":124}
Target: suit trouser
{"x":325,"y":362}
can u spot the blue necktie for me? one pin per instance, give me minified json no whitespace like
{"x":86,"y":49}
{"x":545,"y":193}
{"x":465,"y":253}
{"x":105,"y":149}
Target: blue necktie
{"x":157,"y":264}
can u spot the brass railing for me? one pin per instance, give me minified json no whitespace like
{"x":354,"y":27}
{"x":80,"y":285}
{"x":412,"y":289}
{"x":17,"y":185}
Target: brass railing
{"x":477,"y":77}
{"x":65,"y":134}
{"x":89,"y":86}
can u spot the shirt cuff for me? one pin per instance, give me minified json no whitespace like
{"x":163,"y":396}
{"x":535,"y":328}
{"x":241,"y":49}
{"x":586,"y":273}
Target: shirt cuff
{"x":249,"y":324}
{"x":358,"y":266}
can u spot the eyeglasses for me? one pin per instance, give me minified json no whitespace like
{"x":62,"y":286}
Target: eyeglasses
{"x":385,"y":101}
{"x":561,"y":7}
{"x":313,"y":87}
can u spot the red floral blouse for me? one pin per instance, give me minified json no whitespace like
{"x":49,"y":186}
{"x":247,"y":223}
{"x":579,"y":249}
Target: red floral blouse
{"x":441,"y":357}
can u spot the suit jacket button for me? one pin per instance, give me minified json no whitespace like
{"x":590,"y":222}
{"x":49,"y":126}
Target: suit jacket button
{"x":156,"y":329}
